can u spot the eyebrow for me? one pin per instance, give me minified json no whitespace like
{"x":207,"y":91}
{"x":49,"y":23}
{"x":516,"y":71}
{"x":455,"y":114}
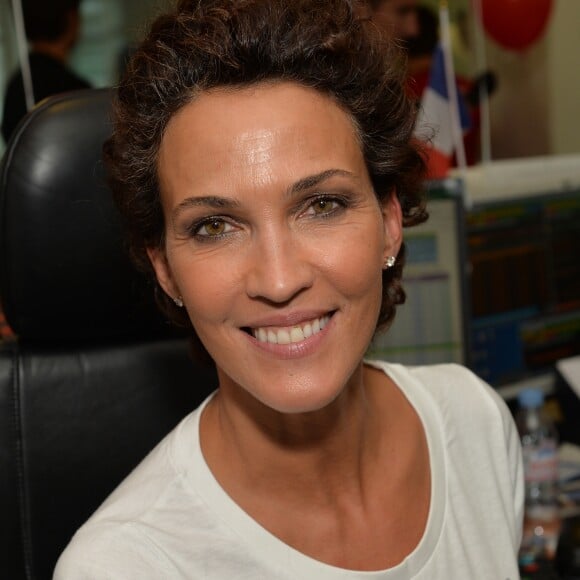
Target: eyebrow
{"x":220,"y":203}
{"x":313,"y":180}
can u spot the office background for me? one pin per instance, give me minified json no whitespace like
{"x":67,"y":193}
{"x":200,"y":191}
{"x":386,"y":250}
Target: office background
{"x":526,"y":205}
{"x":533,"y":112}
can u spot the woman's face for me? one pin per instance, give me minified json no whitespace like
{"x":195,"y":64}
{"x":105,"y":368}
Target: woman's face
{"x":274,"y":239}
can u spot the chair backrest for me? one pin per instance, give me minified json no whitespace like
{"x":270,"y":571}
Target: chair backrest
{"x":94,"y":377}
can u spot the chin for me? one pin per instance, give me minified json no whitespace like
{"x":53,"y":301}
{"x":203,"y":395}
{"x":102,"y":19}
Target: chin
{"x":298,"y":405}
{"x":297,"y":397}
{"x":305,"y":385}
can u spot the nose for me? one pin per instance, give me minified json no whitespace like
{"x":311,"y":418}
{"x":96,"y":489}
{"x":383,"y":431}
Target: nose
{"x":279,"y":268}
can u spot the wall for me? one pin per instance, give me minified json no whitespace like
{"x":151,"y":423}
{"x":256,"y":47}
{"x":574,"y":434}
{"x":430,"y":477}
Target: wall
{"x":519,"y":109}
{"x":564,"y":77}
{"x":110,"y":30}
{"x":534,"y":110}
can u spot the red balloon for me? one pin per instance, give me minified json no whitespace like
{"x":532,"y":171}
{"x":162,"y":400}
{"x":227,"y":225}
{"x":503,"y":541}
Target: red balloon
{"x":515,"y":24}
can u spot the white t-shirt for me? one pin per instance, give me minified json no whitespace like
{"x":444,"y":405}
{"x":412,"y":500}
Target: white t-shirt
{"x":171,"y":519}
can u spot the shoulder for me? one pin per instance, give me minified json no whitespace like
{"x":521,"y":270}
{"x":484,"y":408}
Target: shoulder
{"x":482,"y":443}
{"x":52,"y":76}
{"x":461,"y":390}
{"x":458,"y":380}
{"x":476,"y":424}
{"x":452,"y":386}
{"x":477,"y":433}
{"x":150,"y":481}
{"x":112,"y":551}
{"x":125,"y":530}
{"x":461,"y":400}
{"x":445,"y":376}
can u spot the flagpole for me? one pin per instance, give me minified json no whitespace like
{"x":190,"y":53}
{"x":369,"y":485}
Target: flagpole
{"x":485,"y":123}
{"x":456,"y":132}
{"x":23,"y":54}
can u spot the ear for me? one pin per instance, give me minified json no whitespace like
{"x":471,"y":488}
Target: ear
{"x":393,"y":224}
{"x":163,"y":273}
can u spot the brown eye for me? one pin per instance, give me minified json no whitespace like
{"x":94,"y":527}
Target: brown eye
{"x":322,"y":206}
{"x":214,"y":227}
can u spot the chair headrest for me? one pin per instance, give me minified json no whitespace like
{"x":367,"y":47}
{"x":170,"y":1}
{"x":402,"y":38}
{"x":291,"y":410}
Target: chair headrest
{"x":64,"y":273}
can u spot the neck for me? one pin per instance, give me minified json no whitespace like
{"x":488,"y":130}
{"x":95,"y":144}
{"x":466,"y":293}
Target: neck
{"x":298,"y":453}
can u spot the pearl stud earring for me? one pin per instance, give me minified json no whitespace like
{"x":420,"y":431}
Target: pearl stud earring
{"x":389,"y":262}
{"x":178,"y":302}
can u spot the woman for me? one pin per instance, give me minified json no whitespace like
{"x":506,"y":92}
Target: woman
{"x":263,"y":162}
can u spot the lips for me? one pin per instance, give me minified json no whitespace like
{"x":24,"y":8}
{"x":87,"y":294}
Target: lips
{"x":290,"y":334}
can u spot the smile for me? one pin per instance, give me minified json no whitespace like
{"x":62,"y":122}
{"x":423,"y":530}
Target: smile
{"x":290,"y":334}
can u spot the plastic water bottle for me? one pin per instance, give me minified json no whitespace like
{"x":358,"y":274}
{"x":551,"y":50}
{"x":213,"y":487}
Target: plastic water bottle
{"x":539,"y":440}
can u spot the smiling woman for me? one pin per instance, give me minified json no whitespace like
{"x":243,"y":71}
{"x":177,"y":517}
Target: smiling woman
{"x":262,"y":158}
{"x":273,"y":228}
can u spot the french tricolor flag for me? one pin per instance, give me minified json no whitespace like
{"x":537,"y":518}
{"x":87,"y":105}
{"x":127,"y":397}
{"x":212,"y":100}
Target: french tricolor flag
{"x":443,"y":117}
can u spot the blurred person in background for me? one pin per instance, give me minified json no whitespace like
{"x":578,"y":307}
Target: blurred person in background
{"x":52,"y":29}
{"x":397,"y":17}
{"x":420,"y":50}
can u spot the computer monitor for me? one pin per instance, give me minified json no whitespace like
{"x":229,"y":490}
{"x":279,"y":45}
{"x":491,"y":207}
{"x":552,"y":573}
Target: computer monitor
{"x":525,"y":284}
{"x":432,"y":325}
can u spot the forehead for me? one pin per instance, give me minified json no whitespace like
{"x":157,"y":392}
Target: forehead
{"x":233,"y":107}
{"x":255,"y":132}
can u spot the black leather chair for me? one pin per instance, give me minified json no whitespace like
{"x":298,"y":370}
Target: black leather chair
{"x":95,"y":377}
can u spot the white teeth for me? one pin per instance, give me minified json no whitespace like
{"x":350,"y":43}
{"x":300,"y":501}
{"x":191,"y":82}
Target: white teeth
{"x":296,"y":334}
{"x":291,"y":334}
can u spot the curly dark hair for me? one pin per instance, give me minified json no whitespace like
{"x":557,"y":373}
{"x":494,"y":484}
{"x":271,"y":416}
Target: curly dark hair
{"x":205,"y":44}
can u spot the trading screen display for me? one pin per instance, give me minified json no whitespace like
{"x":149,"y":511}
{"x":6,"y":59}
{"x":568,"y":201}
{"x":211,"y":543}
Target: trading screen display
{"x":524,"y":285}
{"x":431,"y":326}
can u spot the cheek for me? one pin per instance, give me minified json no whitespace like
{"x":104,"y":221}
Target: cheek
{"x":206,"y":286}
{"x":354,"y":262}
